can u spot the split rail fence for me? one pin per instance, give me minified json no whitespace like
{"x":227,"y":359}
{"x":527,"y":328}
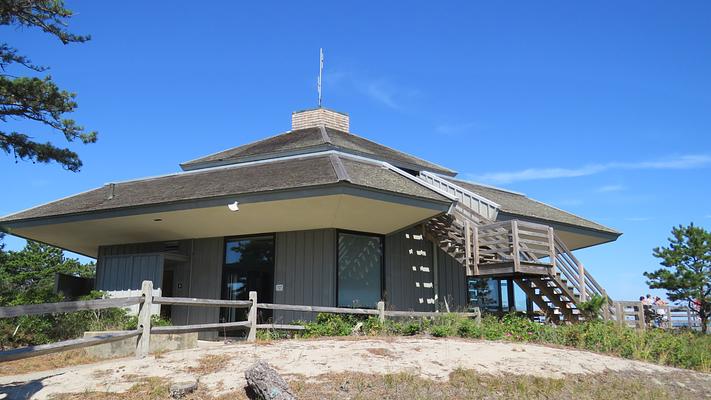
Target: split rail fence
{"x":145,"y":330}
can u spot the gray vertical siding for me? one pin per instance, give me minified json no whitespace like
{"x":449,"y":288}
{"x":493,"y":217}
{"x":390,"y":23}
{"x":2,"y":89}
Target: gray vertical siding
{"x":452,"y":281}
{"x":401,"y":292}
{"x":200,"y":276}
{"x":127,"y":272}
{"x":205,"y":271}
{"x":305,"y":263}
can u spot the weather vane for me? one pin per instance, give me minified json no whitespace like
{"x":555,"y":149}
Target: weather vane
{"x":320,"y":75}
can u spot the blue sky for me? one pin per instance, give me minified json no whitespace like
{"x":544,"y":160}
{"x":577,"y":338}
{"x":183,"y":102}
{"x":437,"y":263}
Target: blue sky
{"x":602,"y":108}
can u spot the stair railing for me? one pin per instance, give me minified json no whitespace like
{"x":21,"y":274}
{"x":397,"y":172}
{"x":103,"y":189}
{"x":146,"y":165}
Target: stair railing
{"x":522,"y":241}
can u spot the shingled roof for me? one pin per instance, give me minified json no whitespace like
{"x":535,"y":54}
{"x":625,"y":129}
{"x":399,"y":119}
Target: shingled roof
{"x":312,"y":140}
{"x":520,"y":205}
{"x":263,"y":177}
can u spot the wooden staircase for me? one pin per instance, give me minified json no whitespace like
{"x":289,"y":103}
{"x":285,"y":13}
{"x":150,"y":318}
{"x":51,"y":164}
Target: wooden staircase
{"x":530,"y":254}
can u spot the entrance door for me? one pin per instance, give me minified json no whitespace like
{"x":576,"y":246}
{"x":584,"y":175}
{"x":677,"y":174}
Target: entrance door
{"x":249,"y":266}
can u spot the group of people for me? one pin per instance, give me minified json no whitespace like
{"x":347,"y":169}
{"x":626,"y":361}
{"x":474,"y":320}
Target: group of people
{"x":654,"y":311}
{"x":648,"y":301}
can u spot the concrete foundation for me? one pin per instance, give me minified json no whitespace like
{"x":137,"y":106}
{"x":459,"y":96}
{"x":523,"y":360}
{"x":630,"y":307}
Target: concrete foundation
{"x":127,"y":347}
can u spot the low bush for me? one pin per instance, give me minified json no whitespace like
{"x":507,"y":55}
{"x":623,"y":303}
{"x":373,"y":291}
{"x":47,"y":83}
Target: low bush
{"x":41,"y":329}
{"x":684,"y":349}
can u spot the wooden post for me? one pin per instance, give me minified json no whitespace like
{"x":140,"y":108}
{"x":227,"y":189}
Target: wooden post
{"x":551,"y":246}
{"x":581,"y":282}
{"x":640,"y":316}
{"x":475,"y":240}
{"x":688,"y":318}
{"x":252,"y":317}
{"x":144,"y":320}
{"x":620,"y":311}
{"x":606,"y":307}
{"x":381,"y":311}
{"x":468,"y":248}
{"x":477,"y":319}
{"x":515,"y":246}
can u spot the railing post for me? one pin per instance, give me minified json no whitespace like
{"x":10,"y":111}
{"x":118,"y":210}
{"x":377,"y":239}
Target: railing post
{"x":252,"y":317}
{"x":144,"y":320}
{"x":515,"y":245}
{"x":581,"y":282}
{"x":475,"y":240}
{"x":381,"y":311}
{"x":640,"y":316}
{"x":620,"y":311}
{"x":468,"y":247}
{"x":551,"y":246}
{"x":606,"y":307}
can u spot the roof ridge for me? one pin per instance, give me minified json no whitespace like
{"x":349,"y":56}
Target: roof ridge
{"x":324,"y":134}
{"x":441,"y":167}
{"x":340,"y":169}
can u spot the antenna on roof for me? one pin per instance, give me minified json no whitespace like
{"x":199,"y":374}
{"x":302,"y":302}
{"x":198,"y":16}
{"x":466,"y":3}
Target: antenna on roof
{"x":320,"y":75}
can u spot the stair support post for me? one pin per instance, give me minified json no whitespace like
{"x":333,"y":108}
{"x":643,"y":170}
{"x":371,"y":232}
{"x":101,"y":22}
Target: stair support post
{"x":515,"y":246}
{"x":581,"y":282}
{"x":551,"y":246}
{"x":475,"y":240}
{"x":468,"y":247}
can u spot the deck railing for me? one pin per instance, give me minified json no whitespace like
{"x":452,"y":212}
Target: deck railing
{"x":635,"y":314}
{"x":521,"y":242}
{"x":145,"y":330}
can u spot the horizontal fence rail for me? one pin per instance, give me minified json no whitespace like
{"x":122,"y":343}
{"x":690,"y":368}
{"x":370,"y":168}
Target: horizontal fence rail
{"x":187,"y":301}
{"x":33,"y":351}
{"x":68,"y":306}
{"x":145,"y":330}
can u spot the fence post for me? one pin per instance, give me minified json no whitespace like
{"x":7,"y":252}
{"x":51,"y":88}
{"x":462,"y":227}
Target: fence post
{"x":252,"y":318}
{"x":144,"y":320}
{"x":477,"y":319}
{"x":381,"y":311}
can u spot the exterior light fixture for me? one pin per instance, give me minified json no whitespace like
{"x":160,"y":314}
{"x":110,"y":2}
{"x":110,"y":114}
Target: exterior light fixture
{"x":233,"y":206}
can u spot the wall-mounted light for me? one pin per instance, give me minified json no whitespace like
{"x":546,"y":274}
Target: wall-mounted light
{"x":233,"y":206}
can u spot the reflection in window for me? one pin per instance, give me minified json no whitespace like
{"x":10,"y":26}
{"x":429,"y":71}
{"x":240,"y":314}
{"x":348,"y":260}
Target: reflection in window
{"x":485,"y":294}
{"x":360,"y":261}
{"x":249,"y":266}
{"x":497,"y":295}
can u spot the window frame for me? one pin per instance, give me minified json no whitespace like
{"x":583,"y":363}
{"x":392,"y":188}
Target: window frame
{"x":382,"y":262}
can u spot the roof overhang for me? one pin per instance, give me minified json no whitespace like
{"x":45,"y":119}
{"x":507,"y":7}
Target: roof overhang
{"x":575,"y":237}
{"x":341,"y":205}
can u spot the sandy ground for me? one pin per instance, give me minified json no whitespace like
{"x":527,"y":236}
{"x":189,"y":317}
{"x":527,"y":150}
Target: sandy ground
{"x":430,"y":358}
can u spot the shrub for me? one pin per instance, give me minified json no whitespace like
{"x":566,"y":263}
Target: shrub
{"x":330,"y":325}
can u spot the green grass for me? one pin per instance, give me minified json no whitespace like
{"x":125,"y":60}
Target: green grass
{"x":683,"y":349}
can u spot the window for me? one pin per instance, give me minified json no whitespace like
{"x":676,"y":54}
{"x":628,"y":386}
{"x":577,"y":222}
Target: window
{"x":497,"y":295}
{"x":249,"y":266}
{"x":360,"y":269}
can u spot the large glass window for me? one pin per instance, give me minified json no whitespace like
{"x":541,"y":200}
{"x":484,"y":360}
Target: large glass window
{"x":497,"y":295}
{"x":360,"y":268}
{"x":249,"y":266}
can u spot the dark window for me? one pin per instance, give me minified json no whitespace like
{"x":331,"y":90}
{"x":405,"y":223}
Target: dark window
{"x":249,"y":266}
{"x":497,"y":295}
{"x":360,"y":270}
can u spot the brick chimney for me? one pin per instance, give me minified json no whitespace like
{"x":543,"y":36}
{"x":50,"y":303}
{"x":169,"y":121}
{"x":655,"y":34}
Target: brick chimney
{"x":320,"y":116}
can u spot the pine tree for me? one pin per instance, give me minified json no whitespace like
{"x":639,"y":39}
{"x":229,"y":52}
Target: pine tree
{"x":686,"y":272}
{"x":33,"y":98}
